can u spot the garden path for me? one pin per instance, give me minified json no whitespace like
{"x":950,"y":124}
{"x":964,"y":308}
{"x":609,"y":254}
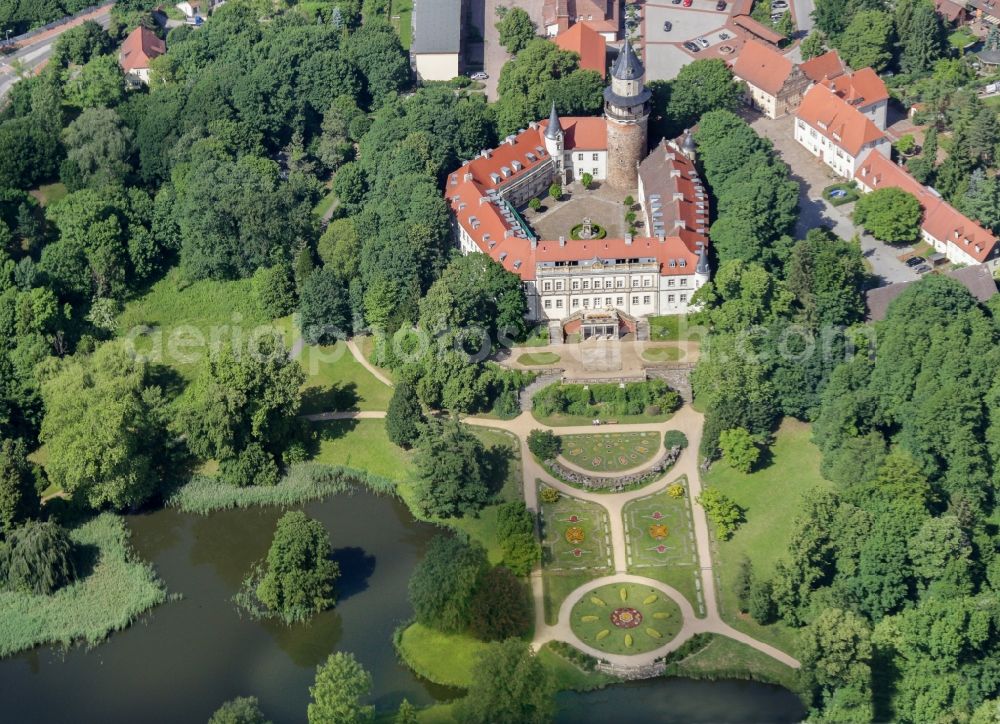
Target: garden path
{"x":363,"y":361}
{"x":688,"y":421}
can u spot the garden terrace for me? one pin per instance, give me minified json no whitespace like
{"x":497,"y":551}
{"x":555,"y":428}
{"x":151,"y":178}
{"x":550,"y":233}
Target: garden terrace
{"x":610,"y":451}
{"x":648,"y":401}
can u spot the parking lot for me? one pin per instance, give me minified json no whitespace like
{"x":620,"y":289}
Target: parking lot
{"x":666,"y":53}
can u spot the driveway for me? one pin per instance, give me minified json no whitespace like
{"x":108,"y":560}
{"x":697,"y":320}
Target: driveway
{"x":802,"y":11}
{"x":492,"y":56}
{"x":814,"y":211}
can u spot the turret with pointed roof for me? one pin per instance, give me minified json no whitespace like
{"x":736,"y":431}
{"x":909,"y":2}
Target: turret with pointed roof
{"x":626,"y":108}
{"x":554,"y":129}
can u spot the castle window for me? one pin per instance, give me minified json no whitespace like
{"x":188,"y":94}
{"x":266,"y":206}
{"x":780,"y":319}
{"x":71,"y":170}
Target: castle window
{"x":547,"y":286}
{"x":619,"y":301}
{"x":559,"y":303}
{"x":635,"y":281}
{"x":645,"y":282}
{"x":579,"y":157}
{"x":548,"y":303}
{"x":586,"y":284}
{"x":670,"y":282}
{"x":684,"y":297}
{"x":635,"y":300}
{"x":595,"y":157}
{"x":619,"y":283}
{"x":559,"y":286}
{"x":576,"y":284}
{"x":645,"y":300}
{"x":576,"y":302}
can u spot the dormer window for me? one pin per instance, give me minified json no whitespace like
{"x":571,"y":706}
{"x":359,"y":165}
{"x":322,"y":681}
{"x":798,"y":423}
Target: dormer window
{"x":495,"y":177}
{"x":505,"y":170}
{"x":517,"y":165}
{"x":531,"y":157}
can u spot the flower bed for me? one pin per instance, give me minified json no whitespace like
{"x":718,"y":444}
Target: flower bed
{"x":625,"y":618}
{"x":612,"y":483}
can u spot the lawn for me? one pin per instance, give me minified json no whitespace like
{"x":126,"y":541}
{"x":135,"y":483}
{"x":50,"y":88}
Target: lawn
{"x":626,"y":618}
{"x":538,"y":358}
{"x":562,"y":419}
{"x":566,"y":675}
{"x":610,"y":452}
{"x":50,"y":193}
{"x":673,"y":328}
{"x":961,"y":38}
{"x":772,"y":498}
{"x":114,"y":590}
{"x":337,"y":381}
{"x":662,"y":354}
{"x":367,"y":346}
{"x":363,"y":444}
{"x":660,"y":537}
{"x":325,"y":205}
{"x":399,"y":14}
{"x":724,"y":658}
{"x":505,"y":457}
{"x":439,"y":657}
{"x":575,"y":535}
{"x":189,"y":319}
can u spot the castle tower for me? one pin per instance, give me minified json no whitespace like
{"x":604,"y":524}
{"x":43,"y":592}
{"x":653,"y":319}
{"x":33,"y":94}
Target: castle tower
{"x":554,"y":140}
{"x":626,"y":108}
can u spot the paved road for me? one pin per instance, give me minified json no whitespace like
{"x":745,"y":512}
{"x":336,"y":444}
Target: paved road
{"x":813,"y":176}
{"x":803,"y":10}
{"x":38,"y":50}
{"x":483,"y":16}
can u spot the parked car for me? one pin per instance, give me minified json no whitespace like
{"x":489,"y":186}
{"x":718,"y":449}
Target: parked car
{"x":922,"y":269}
{"x":915,"y":261}
{"x":703,"y":43}
{"x":667,"y":26}
{"x":779,"y":5}
{"x":775,"y":17}
{"x":724,"y":36}
{"x":686,"y":3}
{"x":721,"y":5}
{"x":675,"y":2}
{"x":481,"y":75}
{"x":692,"y":47}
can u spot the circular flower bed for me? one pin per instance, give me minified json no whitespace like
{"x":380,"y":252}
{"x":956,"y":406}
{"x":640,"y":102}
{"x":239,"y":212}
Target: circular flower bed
{"x":626,"y":617}
{"x":575,"y":534}
{"x":599,"y":232}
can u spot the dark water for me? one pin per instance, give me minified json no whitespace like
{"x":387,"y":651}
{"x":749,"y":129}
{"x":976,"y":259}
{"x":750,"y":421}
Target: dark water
{"x":186,"y":657}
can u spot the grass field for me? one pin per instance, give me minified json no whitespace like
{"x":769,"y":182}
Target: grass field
{"x":439,"y":657}
{"x":672,"y":559}
{"x":337,"y":381}
{"x":673,"y":328}
{"x":626,"y":618}
{"x":725,"y":658}
{"x":538,"y":358}
{"x":402,"y":9}
{"x":50,"y":193}
{"x":662,"y":354}
{"x":610,"y":452}
{"x":575,"y":535}
{"x":114,"y":590}
{"x":568,"y":676}
{"x":190,"y":319}
{"x":363,"y":444}
{"x":367,"y":346}
{"x":772,"y":498}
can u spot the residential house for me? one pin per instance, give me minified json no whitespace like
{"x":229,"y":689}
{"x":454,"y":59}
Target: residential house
{"x":835,"y":131}
{"x":946,"y":229}
{"x":951,"y":12}
{"x":436,"y":50}
{"x":987,"y":11}
{"x":774,"y":85}
{"x":140,"y":47}
{"x":604,"y":16}
{"x":589,"y":44}
{"x":825,"y":66}
{"x":864,"y":90}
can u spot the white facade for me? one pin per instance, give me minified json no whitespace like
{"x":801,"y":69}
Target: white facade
{"x":876,"y":112}
{"x":436,"y":66}
{"x":843,"y":162}
{"x":593,"y":162}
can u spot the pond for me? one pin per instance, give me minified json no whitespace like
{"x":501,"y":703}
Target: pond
{"x":181,"y":661}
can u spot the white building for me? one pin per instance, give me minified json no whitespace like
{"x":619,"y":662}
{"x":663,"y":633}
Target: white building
{"x":835,"y":131}
{"x":436,"y":50}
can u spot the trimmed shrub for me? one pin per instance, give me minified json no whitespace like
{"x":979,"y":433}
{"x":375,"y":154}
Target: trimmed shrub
{"x":544,"y":444}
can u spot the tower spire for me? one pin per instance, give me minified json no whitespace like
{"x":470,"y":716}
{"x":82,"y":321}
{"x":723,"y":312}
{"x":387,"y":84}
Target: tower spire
{"x":627,"y":66}
{"x":554,"y":127}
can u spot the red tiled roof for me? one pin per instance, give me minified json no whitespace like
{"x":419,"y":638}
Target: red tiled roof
{"x":140,"y":47}
{"x":837,"y":120}
{"x":589,"y":44}
{"x":756,"y":29}
{"x":762,"y":66}
{"x":950,"y":11}
{"x":941,"y":220}
{"x":466,"y":192}
{"x":584,"y":133}
{"x":828,"y":65}
{"x":860,"y":88}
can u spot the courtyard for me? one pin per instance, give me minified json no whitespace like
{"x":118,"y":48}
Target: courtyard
{"x":602,"y":204}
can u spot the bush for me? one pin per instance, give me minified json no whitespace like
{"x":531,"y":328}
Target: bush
{"x":674,"y":438}
{"x":555,"y":191}
{"x":241,"y":710}
{"x":521,"y":552}
{"x":722,"y":511}
{"x":252,"y":466}
{"x":550,"y":495}
{"x":274,"y":291}
{"x":586,"y":662}
{"x":514,"y":518}
{"x":37,"y":558}
{"x":739,"y":449}
{"x":544,"y":444}
{"x":608,"y":399}
{"x":675,"y":490}
{"x":501,"y":608}
{"x":761,"y":603}
{"x":586,"y":180}
{"x":535,"y":204}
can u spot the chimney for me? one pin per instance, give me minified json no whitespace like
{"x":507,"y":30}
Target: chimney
{"x":562,"y":241}
{"x":534,"y":243}
{"x":628,"y":240}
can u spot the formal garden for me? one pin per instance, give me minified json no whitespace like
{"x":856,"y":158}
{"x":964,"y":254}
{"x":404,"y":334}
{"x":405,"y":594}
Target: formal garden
{"x":575,"y":404}
{"x":625,"y":618}
{"x":660,"y":538}
{"x":575,"y":533}
{"x":610,"y":452}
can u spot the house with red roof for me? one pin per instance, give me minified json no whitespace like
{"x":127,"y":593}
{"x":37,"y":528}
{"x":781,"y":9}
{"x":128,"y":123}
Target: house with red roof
{"x":832,"y":129}
{"x":140,"y":47}
{"x":774,"y":84}
{"x":603,"y":16}
{"x":864,"y":90}
{"x":589,"y":44}
{"x":944,"y":227}
{"x":594,"y":287}
{"x":822,"y":67}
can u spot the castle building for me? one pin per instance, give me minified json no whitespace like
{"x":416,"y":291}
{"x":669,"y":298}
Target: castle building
{"x":591,"y":286}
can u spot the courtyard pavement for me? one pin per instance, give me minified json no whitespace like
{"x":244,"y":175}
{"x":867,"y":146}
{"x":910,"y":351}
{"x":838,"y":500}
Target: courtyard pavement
{"x":813,"y":176}
{"x":483,"y":16}
{"x":601,"y":203}
{"x":597,"y":358}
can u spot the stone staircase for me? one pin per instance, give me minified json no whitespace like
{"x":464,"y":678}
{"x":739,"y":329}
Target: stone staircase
{"x":541,"y":381}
